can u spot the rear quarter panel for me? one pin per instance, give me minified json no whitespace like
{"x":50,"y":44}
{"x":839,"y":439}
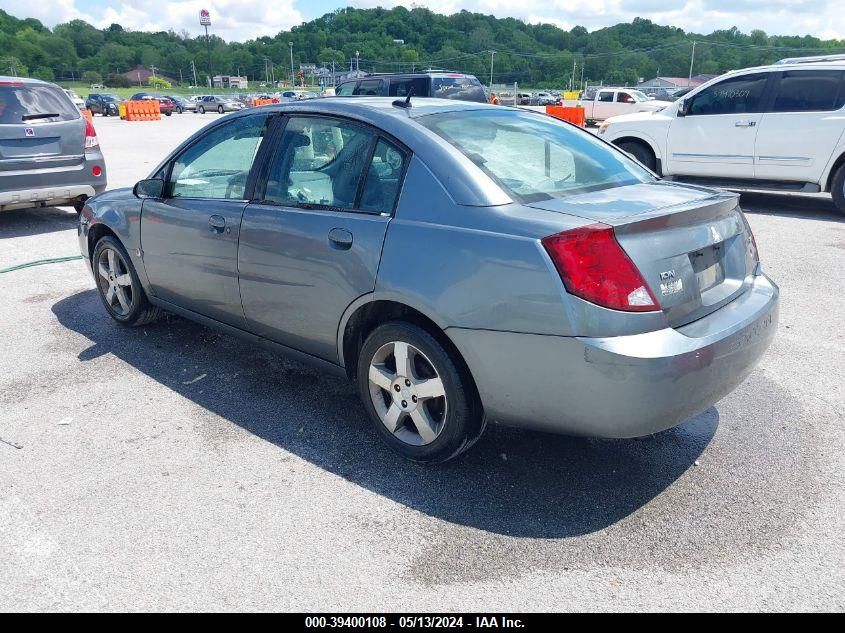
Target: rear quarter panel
{"x":471,"y":267}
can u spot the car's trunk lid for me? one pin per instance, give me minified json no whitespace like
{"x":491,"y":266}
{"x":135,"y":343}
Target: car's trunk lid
{"x":691,"y":244}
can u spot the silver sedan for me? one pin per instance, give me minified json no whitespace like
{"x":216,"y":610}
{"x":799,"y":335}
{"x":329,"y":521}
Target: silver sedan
{"x":461,"y":263}
{"x":220,"y":104}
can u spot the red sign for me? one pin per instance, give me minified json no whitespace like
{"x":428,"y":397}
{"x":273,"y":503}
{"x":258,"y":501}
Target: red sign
{"x":205,"y":17}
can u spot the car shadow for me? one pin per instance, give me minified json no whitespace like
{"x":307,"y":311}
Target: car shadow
{"x":511,"y":482}
{"x":36,"y":221}
{"x":803,"y":206}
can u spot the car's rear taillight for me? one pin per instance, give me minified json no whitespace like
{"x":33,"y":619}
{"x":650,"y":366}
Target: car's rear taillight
{"x":594,"y":266}
{"x":90,"y":136}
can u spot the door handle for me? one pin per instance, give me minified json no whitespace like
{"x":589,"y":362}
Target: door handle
{"x":216,"y":224}
{"x":745,"y":123}
{"x":340,"y":239}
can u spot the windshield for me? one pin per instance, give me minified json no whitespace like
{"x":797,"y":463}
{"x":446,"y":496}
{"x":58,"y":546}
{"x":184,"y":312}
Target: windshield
{"x":30,"y":103}
{"x":639,"y":96}
{"x":534,"y":157}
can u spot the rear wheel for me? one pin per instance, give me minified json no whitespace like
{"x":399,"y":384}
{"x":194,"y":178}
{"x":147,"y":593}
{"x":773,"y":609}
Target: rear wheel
{"x":421,"y":403}
{"x":641,"y":152}
{"x":201,"y":110}
{"x":837,"y":189}
{"x":118,"y":285}
{"x":179,"y":110}
{"x":168,"y":112}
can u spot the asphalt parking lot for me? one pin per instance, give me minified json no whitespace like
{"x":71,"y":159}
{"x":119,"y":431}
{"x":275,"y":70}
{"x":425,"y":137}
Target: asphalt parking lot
{"x":172,"y":467}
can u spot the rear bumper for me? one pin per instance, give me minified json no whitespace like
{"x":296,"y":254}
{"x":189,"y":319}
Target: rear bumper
{"x":47,"y":196}
{"x":45,"y":186}
{"x":624,"y":386}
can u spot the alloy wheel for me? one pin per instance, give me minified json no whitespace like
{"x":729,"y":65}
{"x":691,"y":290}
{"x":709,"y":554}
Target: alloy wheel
{"x":115,"y":282}
{"x":407,"y":393}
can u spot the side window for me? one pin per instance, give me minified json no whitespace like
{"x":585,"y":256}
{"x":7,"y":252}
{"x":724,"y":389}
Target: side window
{"x":810,"y":91}
{"x":624,"y":97}
{"x":217,"y":165}
{"x":370,"y":87}
{"x":605,"y":96}
{"x":320,"y":162}
{"x":401,"y":87}
{"x":381,"y":188}
{"x":736,"y":95}
{"x":345,"y":90}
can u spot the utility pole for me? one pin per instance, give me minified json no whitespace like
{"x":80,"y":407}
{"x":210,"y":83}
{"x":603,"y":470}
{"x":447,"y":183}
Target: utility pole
{"x":181,"y":81}
{"x":691,"y":62}
{"x":357,"y":61}
{"x":492,"y":53}
{"x":582,"y":76}
{"x":292,"y":82}
{"x":572,"y":81}
{"x":194,"y":71}
{"x":153,"y":71}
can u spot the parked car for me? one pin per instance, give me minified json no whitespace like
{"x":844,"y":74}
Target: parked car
{"x":444,"y":85}
{"x":97,"y":87}
{"x":461,"y":263}
{"x":546,"y":98}
{"x":525,"y":98}
{"x":609,"y":102}
{"x":49,"y":153}
{"x":166,"y":106}
{"x":75,"y":98}
{"x":218,"y":103}
{"x":779,"y":127}
{"x":103,"y":103}
{"x":181,"y":104}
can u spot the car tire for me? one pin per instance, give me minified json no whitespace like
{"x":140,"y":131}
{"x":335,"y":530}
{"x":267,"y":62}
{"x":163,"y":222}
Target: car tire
{"x":201,"y":110}
{"x":113,"y":269}
{"x":219,"y":109}
{"x":837,"y":189}
{"x":430,"y":429}
{"x":168,"y":113}
{"x":641,"y":152}
{"x":179,"y":110}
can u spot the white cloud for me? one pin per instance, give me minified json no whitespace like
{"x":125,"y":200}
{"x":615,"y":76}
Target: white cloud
{"x":231,"y":19}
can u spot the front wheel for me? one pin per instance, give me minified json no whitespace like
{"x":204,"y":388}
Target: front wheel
{"x":422,"y":403}
{"x":118,"y":285}
{"x":168,"y":113}
{"x":641,"y":153}
{"x":837,"y":189}
{"x":219,"y":109}
{"x":201,"y":110}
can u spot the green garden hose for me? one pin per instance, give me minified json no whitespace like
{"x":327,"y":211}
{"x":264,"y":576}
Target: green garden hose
{"x":41,"y":262}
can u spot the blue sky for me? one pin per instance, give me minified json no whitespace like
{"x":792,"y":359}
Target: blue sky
{"x":245,"y":19}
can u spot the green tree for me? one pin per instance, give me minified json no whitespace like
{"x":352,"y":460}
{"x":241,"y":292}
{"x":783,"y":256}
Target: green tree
{"x":92,"y":77}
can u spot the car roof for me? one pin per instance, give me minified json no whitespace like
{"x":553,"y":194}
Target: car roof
{"x":6,"y":79}
{"x":381,"y":107}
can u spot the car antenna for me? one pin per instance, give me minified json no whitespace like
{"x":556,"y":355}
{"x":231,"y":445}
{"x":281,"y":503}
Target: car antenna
{"x":399,"y":103}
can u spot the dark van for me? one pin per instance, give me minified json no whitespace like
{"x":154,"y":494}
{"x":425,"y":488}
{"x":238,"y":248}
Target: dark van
{"x":444,"y":85}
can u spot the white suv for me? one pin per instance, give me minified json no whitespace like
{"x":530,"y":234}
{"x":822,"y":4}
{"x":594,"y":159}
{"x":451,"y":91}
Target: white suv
{"x":778,"y":127}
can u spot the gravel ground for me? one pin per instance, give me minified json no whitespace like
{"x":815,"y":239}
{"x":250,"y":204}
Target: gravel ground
{"x":174,"y":468}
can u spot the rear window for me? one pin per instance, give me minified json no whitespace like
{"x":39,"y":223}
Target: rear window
{"x":462,"y":88}
{"x":34,"y":104}
{"x":810,"y":91}
{"x":534,"y":157}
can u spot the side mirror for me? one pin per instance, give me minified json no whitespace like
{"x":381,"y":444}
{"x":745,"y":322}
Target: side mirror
{"x":683,"y":106}
{"x":149,"y":188}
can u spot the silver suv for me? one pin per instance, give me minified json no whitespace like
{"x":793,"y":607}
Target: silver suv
{"x":49,"y":153}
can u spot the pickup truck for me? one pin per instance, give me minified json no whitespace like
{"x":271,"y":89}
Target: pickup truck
{"x":609,"y":102}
